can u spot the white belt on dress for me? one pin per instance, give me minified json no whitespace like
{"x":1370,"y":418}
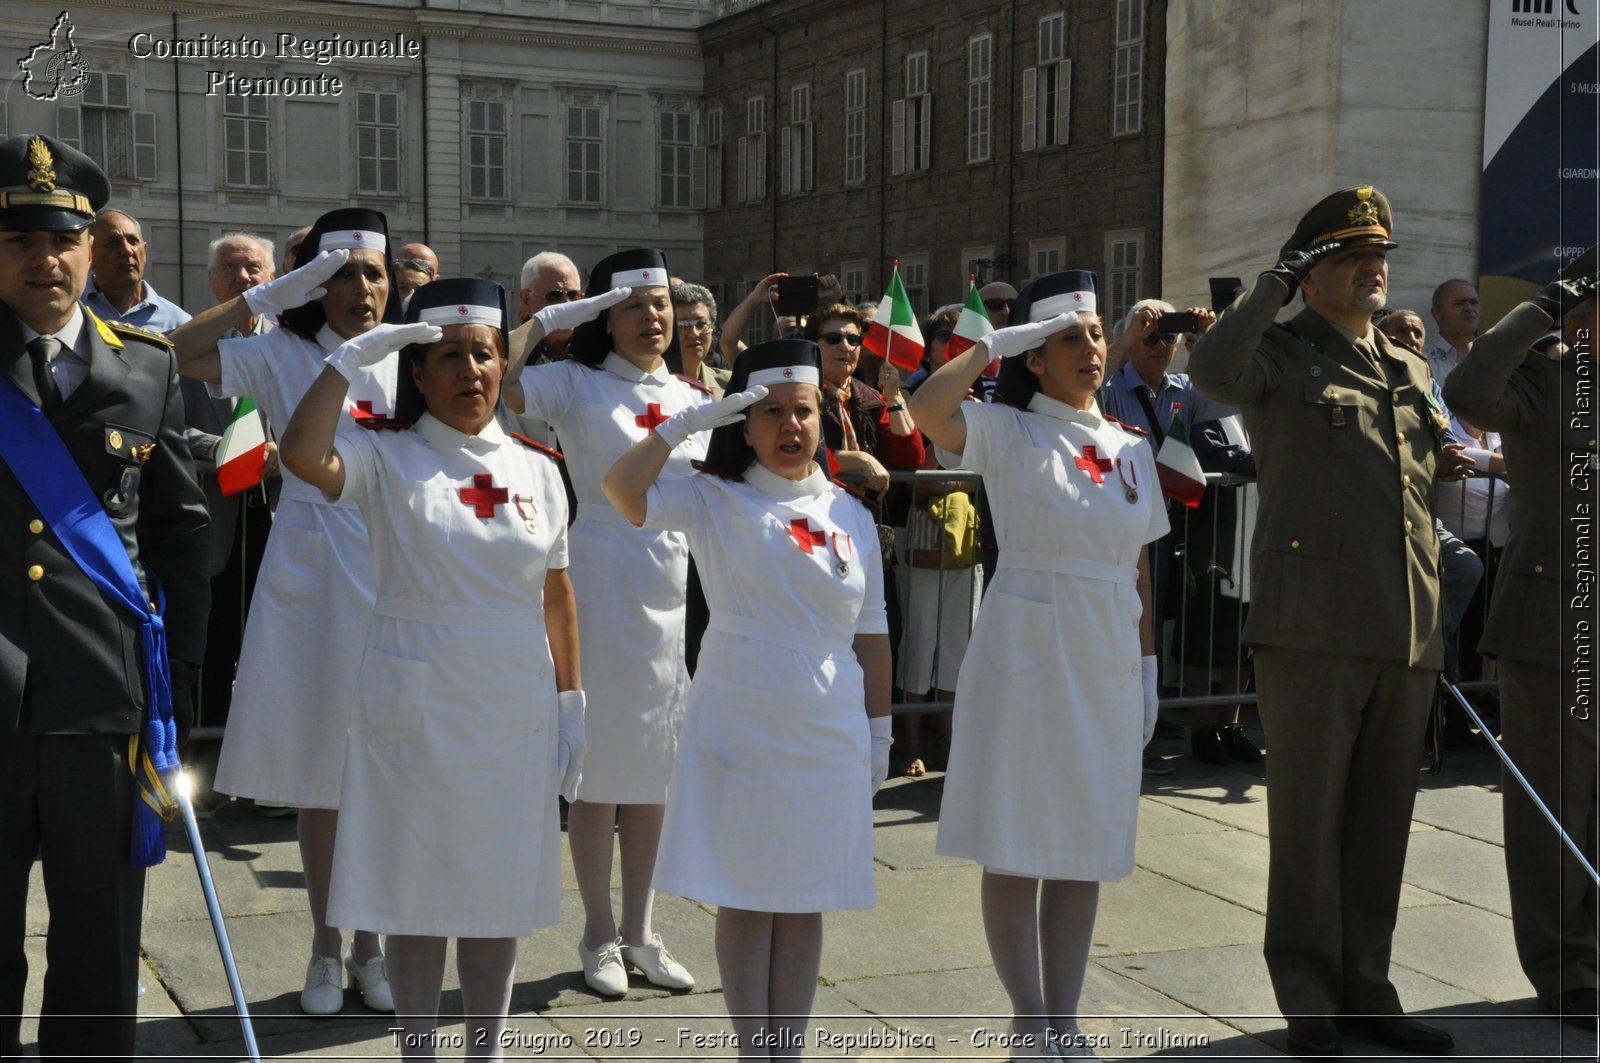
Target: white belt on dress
{"x":1070,"y":566}
{"x":602,"y":512}
{"x":520,"y":619}
{"x":787,"y":638}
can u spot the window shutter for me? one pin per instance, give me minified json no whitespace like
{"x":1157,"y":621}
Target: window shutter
{"x":760,"y":148}
{"x":1030,"y":108}
{"x":897,"y":138}
{"x":786,"y":172}
{"x":144,"y":145}
{"x":1063,"y":100}
{"x":925,"y":158}
{"x":714,"y":176}
{"x":809,"y":144}
{"x":742,"y":194}
{"x":69,"y":126}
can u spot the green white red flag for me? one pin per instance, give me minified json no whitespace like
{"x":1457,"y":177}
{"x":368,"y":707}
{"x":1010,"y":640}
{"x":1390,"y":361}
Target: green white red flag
{"x":242,"y":454}
{"x":972,"y":326}
{"x":894,"y":333}
{"x":1182,"y":478}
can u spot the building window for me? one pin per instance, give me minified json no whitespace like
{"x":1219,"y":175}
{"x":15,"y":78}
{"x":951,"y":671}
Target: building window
{"x":585,"y":153}
{"x":244,"y":141}
{"x":853,"y":280}
{"x":378,"y":143}
{"x":914,"y":276}
{"x":753,"y":151}
{"x":1127,"y":112}
{"x":980,"y":74}
{"x":105,"y":127}
{"x":1045,"y":256}
{"x":676,"y":150}
{"x":796,"y":145}
{"x":1047,"y":89}
{"x":713,"y":137}
{"x":912,"y":139}
{"x":976,"y":262}
{"x":1125,"y":256}
{"x":486,"y":149}
{"x":855,"y":127}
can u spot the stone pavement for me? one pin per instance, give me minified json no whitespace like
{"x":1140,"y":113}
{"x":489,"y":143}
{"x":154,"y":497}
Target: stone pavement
{"x":1176,"y":968}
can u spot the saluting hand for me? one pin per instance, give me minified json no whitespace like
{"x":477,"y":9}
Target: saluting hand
{"x":1579,"y":281}
{"x":1294,"y":265}
{"x":727,"y":410}
{"x":1020,"y":339}
{"x":377,"y":343}
{"x":297,"y":287}
{"x":558,"y":316}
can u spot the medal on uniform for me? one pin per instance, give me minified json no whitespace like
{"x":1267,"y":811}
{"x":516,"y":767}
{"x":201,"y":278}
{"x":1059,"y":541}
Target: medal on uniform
{"x":526,"y":514}
{"x":843,"y":567}
{"x":1130,"y":480}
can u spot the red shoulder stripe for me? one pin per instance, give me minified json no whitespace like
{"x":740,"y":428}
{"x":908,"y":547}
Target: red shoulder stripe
{"x":374,"y":423}
{"x":1135,"y":429}
{"x":540,"y":447}
{"x":692,"y":382}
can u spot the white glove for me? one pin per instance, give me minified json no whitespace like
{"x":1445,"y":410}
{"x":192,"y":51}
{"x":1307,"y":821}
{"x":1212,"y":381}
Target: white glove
{"x":297,"y":287}
{"x":569,"y":741}
{"x":376,"y":344}
{"x":1152,"y":696}
{"x":1020,"y":339}
{"x":727,"y":410}
{"x":558,"y":316}
{"x":881,"y":741}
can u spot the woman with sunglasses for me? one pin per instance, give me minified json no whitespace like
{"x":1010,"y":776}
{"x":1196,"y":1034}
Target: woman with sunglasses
{"x":1059,"y":681}
{"x":302,"y":644}
{"x":868,"y":431}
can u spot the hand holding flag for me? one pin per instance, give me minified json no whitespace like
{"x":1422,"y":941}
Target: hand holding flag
{"x":894,"y":334}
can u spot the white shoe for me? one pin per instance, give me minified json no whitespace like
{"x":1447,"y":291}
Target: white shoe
{"x":1073,"y":1043}
{"x":656,"y":964}
{"x":603,"y":968}
{"x":324,"y":991}
{"x":373,"y":980}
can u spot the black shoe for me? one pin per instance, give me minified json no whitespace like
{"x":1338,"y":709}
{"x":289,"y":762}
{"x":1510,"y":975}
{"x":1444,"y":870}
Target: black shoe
{"x":1314,"y":1037}
{"x":1238,"y":744}
{"x":1166,"y":729}
{"x":1399,"y":1031}
{"x":1154,"y":765}
{"x":1206,"y":744}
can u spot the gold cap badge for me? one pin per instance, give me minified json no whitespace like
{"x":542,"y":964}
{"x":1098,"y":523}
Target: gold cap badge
{"x":41,"y":166}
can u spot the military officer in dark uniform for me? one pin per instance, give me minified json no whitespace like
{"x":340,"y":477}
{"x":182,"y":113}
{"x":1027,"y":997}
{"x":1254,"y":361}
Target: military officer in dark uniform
{"x":72,"y":684}
{"x":1347,"y":446}
{"x":1549,"y":733}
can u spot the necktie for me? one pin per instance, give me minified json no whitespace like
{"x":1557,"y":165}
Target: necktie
{"x":40,"y":350}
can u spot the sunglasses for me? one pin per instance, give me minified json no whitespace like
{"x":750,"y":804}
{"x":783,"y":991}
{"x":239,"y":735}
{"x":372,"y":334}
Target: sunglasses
{"x":994,"y":306}
{"x":413,"y":264}
{"x":693,"y":325}
{"x":852,"y":338}
{"x":1156,"y":339}
{"x":562,"y":295}
{"x":943,"y":334}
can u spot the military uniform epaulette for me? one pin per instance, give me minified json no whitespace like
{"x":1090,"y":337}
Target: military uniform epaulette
{"x":549,"y":452}
{"x":1126,"y":427}
{"x":374,"y":423}
{"x":138,"y":332}
{"x":692,"y":382}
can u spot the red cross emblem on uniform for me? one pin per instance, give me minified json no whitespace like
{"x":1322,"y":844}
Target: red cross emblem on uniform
{"x":1093,"y":464}
{"x":483,"y":495}
{"x":461,"y":310}
{"x":804,"y":537}
{"x":361,"y":409}
{"x":651,"y":417}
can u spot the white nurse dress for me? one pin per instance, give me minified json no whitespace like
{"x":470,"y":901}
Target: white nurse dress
{"x":448,"y":821}
{"x":630,"y":582}
{"x":771,"y":801}
{"x":1044,"y":767}
{"x":292,"y":698}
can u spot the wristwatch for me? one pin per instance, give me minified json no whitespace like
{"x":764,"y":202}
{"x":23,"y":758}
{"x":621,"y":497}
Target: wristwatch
{"x":896,"y":408}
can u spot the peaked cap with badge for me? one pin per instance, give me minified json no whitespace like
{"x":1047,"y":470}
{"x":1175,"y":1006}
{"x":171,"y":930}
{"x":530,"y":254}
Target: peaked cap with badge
{"x":1353,"y":216}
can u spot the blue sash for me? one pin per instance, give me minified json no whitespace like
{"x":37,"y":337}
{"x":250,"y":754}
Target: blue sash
{"x":40,"y":461}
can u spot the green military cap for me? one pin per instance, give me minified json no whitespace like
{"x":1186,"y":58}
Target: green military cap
{"x":1352,"y":216}
{"x":46,"y":186}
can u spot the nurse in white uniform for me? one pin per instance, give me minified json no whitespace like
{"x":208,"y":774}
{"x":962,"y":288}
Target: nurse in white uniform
{"x":1056,"y":695}
{"x":458,"y":747}
{"x":787,"y":735}
{"x":292,"y":701}
{"x":631,"y":587}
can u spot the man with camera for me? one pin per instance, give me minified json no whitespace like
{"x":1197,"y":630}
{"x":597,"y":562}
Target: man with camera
{"x":1347,"y":446}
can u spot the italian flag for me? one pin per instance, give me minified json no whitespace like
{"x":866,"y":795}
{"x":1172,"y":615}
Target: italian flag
{"x":1182,"y":479}
{"x":243,"y":451}
{"x":972,"y":326}
{"x":894,"y":334}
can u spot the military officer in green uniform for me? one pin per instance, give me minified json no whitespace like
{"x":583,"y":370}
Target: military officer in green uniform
{"x":1345,"y":614}
{"x":1548,"y":730}
{"x":94,"y":407}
